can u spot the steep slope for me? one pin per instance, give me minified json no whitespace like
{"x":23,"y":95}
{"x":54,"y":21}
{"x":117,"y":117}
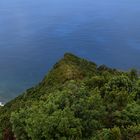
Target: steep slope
{"x":69,"y":67}
{"x":76,"y":93}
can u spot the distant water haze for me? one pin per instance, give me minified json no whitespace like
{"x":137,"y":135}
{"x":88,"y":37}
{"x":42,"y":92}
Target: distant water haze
{"x":34,"y":34}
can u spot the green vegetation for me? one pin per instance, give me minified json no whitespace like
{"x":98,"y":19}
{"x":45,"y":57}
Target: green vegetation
{"x":77,"y":100}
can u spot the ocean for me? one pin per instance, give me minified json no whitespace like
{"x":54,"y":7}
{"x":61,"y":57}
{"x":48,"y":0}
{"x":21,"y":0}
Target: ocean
{"x":36,"y":34}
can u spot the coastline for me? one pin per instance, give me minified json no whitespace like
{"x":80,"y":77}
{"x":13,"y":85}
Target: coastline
{"x":1,"y":104}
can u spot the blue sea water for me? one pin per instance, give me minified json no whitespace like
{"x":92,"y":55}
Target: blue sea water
{"x":34,"y":34}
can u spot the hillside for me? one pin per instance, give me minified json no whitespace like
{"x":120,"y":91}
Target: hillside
{"x":76,"y":100}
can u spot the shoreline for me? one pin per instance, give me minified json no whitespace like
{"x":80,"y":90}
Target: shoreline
{"x":1,"y":104}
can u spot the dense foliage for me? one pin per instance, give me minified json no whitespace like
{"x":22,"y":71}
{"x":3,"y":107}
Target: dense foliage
{"x":77,"y":100}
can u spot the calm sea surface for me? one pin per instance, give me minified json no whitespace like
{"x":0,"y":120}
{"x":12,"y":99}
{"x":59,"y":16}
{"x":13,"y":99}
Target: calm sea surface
{"x":34,"y":34}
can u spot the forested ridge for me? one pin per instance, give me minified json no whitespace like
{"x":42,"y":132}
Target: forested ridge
{"x":76,"y":100}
